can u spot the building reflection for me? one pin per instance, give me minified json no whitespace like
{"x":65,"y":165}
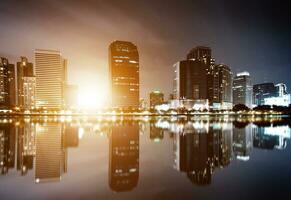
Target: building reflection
{"x":200,"y":148}
{"x":123,"y":157}
{"x":272,"y":137}
{"x":156,"y":133}
{"x":25,"y":147}
{"x":39,"y":148}
{"x":243,"y":142}
{"x":7,"y":147}
{"x":51,"y":157}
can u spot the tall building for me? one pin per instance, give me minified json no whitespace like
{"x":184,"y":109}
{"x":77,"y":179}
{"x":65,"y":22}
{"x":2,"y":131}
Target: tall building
{"x":242,"y":89}
{"x":222,"y":87}
{"x":262,"y":91}
{"x":124,"y":157}
{"x":24,"y":69}
{"x":7,"y":84}
{"x":200,"y":53}
{"x":190,"y":80}
{"x":156,"y":98}
{"x":203,"y":54}
{"x":124,"y":74}
{"x":49,"y":72}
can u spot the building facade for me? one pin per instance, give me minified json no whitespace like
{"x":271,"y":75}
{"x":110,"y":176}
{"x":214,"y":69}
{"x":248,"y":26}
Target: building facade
{"x":49,"y":79}
{"x":7,"y":84}
{"x":222,"y":87}
{"x":262,"y":91}
{"x":24,"y":70}
{"x":242,"y":89}
{"x":124,"y":74}
{"x":190,"y":80}
{"x":28,"y":89}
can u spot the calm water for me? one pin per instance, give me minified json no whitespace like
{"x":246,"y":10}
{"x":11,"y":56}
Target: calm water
{"x":145,"y":158}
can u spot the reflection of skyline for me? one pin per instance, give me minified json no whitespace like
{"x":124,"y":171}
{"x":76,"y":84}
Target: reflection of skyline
{"x":123,"y":157}
{"x":201,"y":146}
{"x":198,"y":151}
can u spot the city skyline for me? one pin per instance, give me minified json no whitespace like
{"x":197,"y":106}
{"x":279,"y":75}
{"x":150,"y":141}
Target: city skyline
{"x":84,"y":41}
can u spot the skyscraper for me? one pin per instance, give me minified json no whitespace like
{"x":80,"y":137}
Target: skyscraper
{"x":190,"y":80}
{"x":242,"y":89}
{"x":262,"y":91}
{"x":222,"y":87}
{"x":203,"y":54}
{"x":49,"y":72}
{"x":7,"y":84}
{"x":124,"y":74}
{"x":24,"y":69}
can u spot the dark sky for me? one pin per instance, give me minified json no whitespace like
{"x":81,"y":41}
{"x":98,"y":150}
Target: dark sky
{"x":246,"y":35}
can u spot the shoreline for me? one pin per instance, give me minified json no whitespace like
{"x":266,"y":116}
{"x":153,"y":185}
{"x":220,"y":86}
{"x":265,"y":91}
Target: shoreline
{"x":141,"y":114}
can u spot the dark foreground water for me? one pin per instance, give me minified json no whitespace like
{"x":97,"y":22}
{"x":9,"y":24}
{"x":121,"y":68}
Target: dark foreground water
{"x":145,"y":158}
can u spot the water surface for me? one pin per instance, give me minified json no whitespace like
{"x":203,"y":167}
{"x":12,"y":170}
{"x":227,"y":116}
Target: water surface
{"x":145,"y":158}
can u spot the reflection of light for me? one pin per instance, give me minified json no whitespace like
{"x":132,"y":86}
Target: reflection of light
{"x":283,"y":131}
{"x":132,"y":170}
{"x":243,"y":158}
{"x":80,"y":133}
{"x":37,"y":180}
{"x":162,"y":124}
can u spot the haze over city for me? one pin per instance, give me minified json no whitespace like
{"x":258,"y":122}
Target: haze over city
{"x":245,"y":35}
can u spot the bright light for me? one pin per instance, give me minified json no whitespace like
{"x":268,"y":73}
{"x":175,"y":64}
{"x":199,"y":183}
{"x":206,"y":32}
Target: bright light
{"x":92,"y":98}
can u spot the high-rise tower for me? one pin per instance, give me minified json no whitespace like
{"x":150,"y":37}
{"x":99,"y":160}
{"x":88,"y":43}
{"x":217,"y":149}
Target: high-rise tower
{"x":124,"y":74}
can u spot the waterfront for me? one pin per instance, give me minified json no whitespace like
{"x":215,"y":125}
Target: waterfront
{"x":113,"y":157}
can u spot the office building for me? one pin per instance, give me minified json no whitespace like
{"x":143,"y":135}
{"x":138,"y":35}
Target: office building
{"x":25,"y":76}
{"x":203,"y":54}
{"x":222,"y":87}
{"x":190,"y":80}
{"x":156,"y":98}
{"x":49,"y":71}
{"x":262,"y":91}
{"x":7,"y":84}
{"x":242,"y":89}
{"x":124,"y":74}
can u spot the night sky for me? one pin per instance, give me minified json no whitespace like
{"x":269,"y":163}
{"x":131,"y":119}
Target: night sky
{"x":246,"y":35}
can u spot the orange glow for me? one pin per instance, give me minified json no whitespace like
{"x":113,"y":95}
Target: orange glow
{"x":92,"y":98}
